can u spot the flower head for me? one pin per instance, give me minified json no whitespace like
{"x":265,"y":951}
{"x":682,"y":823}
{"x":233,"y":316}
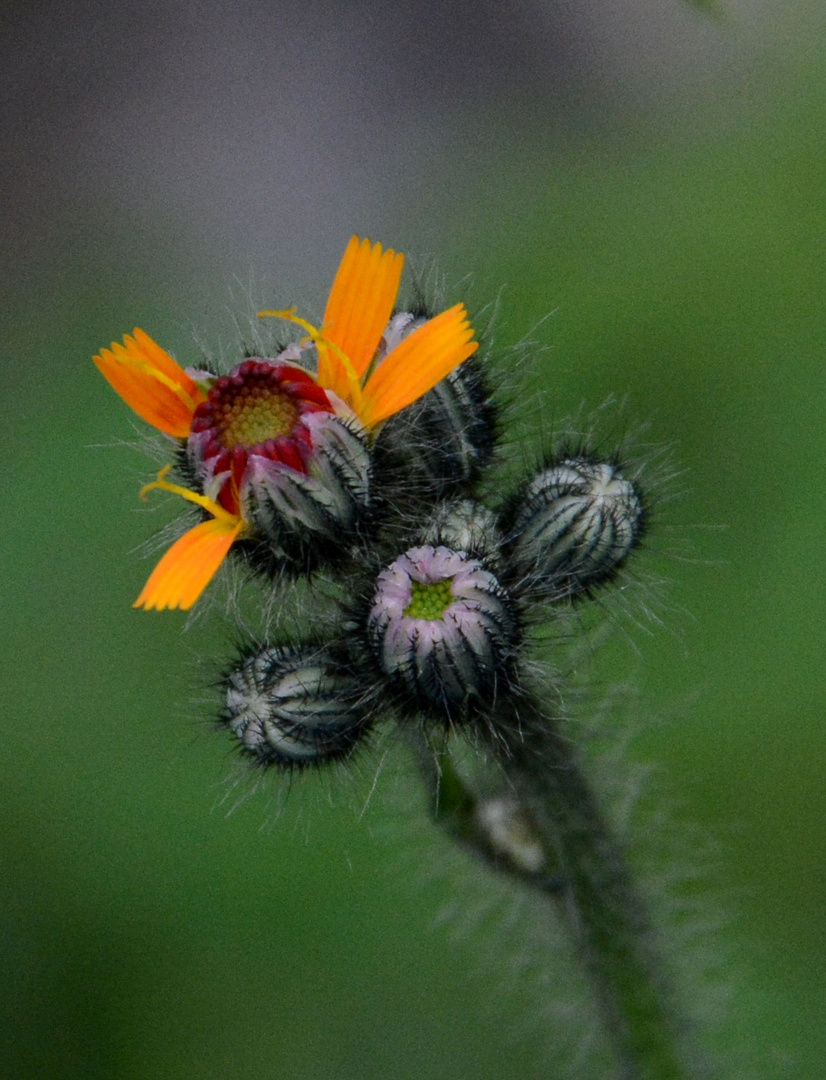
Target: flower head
{"x":276,"y":452}
{"x":573,"y":526}
{"x":442,"y":628}
{"x":294,"y":707}
{"x":261,"y":409}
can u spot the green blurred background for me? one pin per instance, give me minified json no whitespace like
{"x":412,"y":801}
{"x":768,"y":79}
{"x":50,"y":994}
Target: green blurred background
{"x":653,"y":178}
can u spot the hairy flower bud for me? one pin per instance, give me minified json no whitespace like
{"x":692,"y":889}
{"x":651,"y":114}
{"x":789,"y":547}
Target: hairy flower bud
{"x":574,"y":526}
{"x":440,"y":443}
{"x":308,"y":516}
{"x":443,"y":630}
{"x":294,"y":707}
{"x":467,"y":526}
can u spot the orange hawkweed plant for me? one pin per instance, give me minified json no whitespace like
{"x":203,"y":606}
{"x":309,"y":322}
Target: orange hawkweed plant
{"x":361,"y":451}
{"x":276,"y":452}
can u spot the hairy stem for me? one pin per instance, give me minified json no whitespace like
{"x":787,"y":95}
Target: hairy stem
{"x":494,"y":826}
{"x":603,"y":908}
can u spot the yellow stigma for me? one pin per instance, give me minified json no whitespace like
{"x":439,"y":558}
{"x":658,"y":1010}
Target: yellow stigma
{"x":321,"y":343}
{"x":205,"y":503}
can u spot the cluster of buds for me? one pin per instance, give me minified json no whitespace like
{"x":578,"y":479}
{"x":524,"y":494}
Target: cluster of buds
{"x":359,"y":453}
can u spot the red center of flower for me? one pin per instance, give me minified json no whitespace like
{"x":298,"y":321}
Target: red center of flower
{"x":257,"y":409}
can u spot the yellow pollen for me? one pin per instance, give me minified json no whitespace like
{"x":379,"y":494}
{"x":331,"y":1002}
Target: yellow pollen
{"x":253,"y":414}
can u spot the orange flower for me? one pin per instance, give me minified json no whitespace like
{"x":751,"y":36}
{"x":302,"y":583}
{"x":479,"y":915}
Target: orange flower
{"x":266,"y":418}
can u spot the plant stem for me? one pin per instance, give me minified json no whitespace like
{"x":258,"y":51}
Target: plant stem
{"x":597,"y":895}
{"x":494,"y":827}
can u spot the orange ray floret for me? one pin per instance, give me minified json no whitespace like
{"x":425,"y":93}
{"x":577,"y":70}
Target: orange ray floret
{"x":358,"y":310}
{"x":417,"y":364}
{"x":151,"y":383}
{"x":190,"y":564}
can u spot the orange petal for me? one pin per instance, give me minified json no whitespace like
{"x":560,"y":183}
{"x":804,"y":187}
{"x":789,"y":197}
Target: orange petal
{"x":417,"y":364}
{"x":151,"y":383}
{"x":190,"y":564}
{"x":360,"y":305}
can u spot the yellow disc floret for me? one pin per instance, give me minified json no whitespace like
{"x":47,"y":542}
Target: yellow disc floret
{"x":253,"y":415}
{"x":429,"y":600}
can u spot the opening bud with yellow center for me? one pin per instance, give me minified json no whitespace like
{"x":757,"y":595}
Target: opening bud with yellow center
{"x":443,"y":630}
{"x":281,"y":458}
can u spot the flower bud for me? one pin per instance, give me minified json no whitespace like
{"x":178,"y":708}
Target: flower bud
{"x":467,"y":526}
{"x":510,"y":834}
{"x":307,"y":516}
{"x":438,"y":445}
{"x":443,"y":630}
{"x":574,"y":526}
{"x":294,"y":707}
